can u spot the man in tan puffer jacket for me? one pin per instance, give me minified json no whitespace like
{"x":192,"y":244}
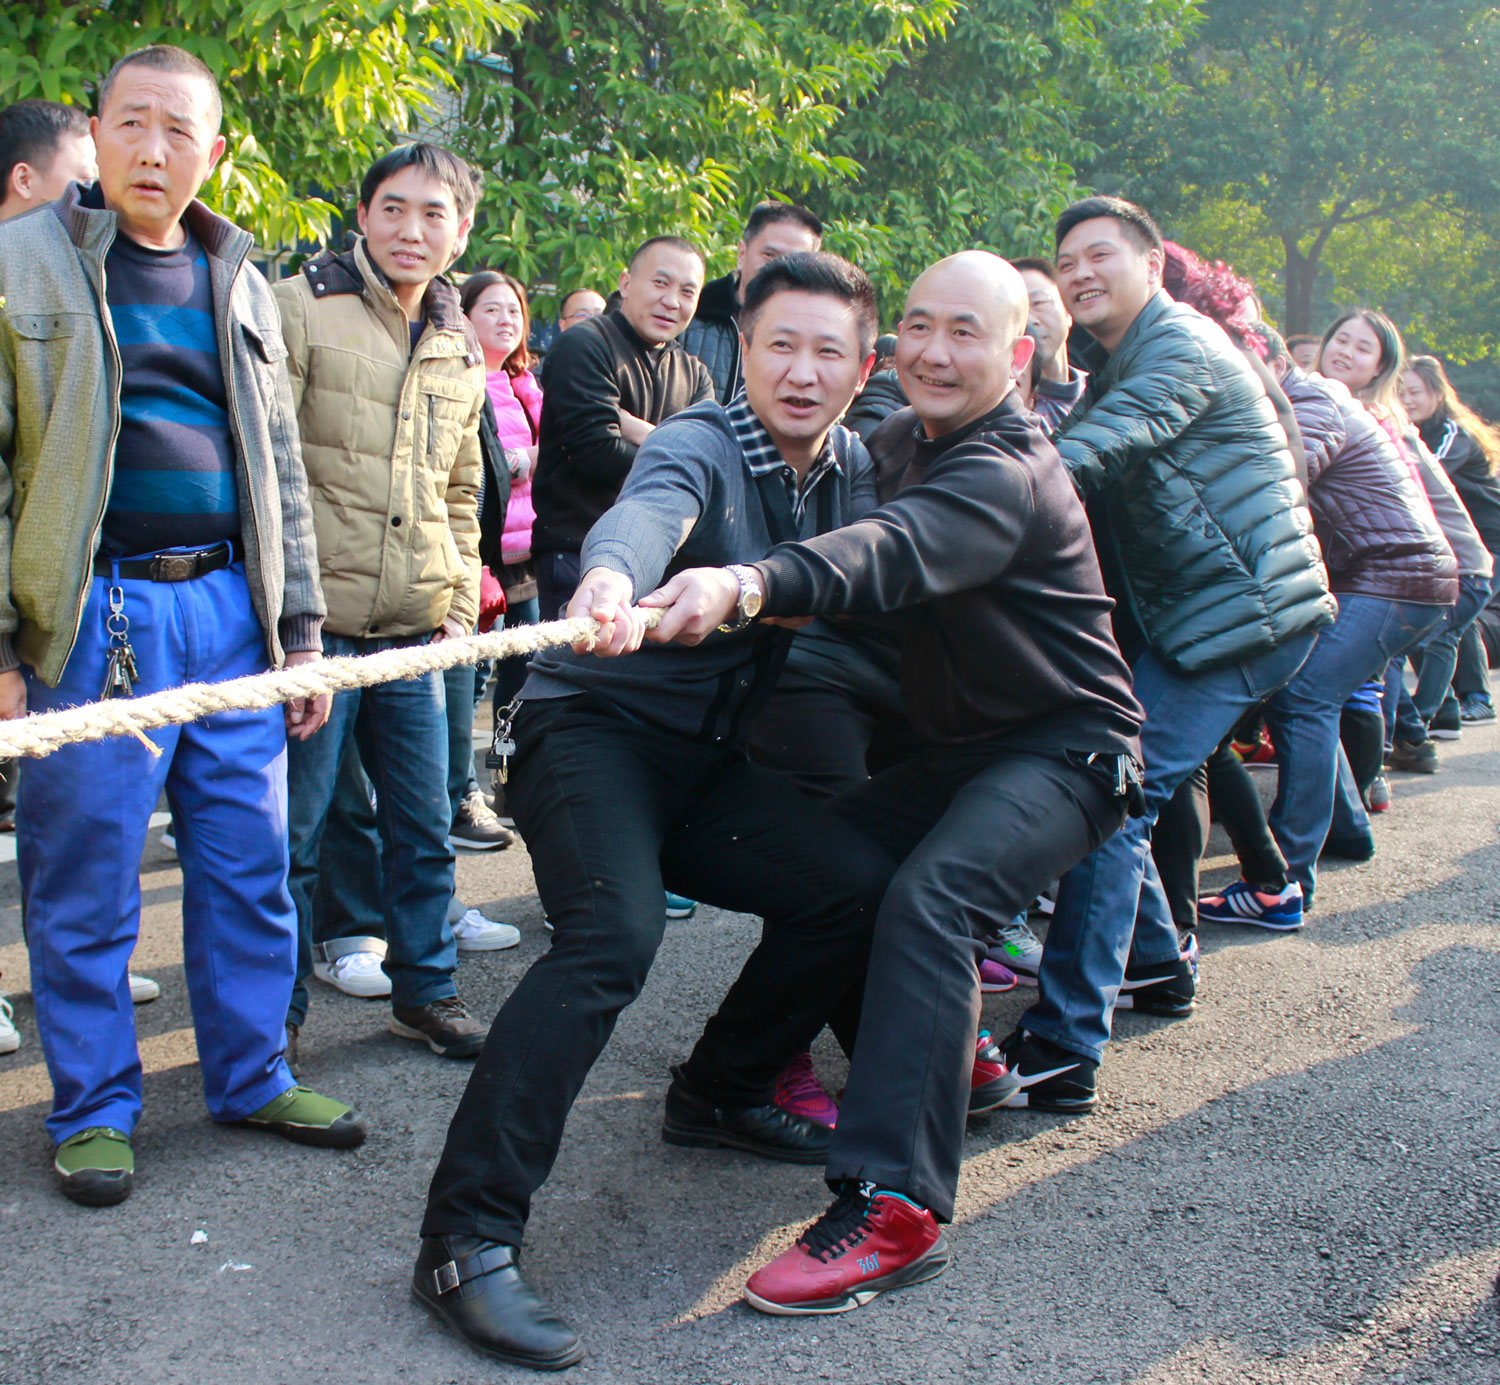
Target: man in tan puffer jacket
{"x":388,"y":381}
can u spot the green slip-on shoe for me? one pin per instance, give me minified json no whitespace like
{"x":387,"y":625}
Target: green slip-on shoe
{"x":309,"y":1118}
{"x":97,"y":1166}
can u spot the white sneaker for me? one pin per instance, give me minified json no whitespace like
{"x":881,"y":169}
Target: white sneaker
{"x":475,"y":933}
{"x":355,"y":973}
{"x":10,"y":1036}
{"x":142,"y":989}
{"x":168,"y":840}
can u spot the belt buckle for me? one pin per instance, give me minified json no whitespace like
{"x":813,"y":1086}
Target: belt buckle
{"x":174,"y":567}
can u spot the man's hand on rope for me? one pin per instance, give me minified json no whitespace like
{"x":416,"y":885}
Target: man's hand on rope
{"x":12,"y":695}
{"x":606,"y":596}
{"x":695,"y":603}
{"x":304,"y":715}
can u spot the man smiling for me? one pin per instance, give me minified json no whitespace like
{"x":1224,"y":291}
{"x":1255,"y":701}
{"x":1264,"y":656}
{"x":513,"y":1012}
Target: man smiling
{"x":1011,"y":678}
{"x":630,"y":773}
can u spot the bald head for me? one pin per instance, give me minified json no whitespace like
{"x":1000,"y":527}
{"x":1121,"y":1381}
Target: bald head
{"x":963,"y":339}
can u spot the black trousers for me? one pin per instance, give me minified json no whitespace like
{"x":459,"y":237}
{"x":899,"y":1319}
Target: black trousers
{"x":827,"y":739}
{"x":978,"y":832}
{"x":612,"y":811}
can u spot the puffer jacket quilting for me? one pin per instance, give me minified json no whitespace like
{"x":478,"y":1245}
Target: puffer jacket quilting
{"x":1178,"y":440}
{"x":390,"y":440}
{"x":713,"y":336}
{"x":1375,"y":527}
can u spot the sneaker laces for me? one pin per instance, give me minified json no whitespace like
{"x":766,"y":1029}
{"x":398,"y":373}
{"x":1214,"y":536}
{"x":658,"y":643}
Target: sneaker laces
{"x":450,"y":1007}
{"x":478,"y":811}
{"x":843,"y":1225}
{"x":353,"y":965}
{"x":1017,"y":933}
{"x":473,"y":922}
{"x":799,"y":1081}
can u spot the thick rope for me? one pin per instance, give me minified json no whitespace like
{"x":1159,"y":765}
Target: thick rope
{"x":46,"y":732}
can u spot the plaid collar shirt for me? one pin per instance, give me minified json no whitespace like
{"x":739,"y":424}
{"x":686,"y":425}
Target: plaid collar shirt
{"x":762,"y":457}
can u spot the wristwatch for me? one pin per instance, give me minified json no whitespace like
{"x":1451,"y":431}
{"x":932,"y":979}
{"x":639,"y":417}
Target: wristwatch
{"x":750,"y":597}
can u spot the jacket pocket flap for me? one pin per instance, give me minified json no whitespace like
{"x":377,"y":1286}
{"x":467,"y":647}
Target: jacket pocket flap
{"x":446,"y":389}
{"x":42,"y":326}
{"x":267,"y":345}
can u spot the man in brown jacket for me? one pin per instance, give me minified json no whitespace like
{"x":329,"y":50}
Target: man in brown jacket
{"x":388,"y":383}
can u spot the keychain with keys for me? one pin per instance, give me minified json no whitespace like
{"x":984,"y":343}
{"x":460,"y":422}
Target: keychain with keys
{"x":502,"y":746}
{"x":120,"y":673}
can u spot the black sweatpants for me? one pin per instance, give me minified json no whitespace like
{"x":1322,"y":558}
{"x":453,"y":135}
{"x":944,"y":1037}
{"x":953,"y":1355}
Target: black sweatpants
{"x":978,"y":831}
{"x":612,"y":811}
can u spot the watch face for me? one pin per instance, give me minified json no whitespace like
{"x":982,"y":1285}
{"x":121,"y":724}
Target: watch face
{"x":750,"y":603}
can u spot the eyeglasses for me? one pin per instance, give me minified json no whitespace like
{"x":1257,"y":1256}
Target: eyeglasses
{"x":579,"y":314}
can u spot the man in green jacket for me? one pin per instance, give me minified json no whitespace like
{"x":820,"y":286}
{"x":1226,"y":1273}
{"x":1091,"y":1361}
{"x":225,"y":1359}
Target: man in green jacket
{"x":1206,"y":543}
{"x":154,"y":531}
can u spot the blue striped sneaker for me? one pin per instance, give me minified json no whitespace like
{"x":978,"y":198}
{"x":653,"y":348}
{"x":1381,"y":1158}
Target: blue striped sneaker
{"x":1241,"y":903}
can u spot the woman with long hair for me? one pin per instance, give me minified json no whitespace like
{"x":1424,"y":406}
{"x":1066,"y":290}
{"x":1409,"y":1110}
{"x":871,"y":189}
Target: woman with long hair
{"x":1363,"y":349}
{"x":1469,"y":450}
{"x":497,"y":306}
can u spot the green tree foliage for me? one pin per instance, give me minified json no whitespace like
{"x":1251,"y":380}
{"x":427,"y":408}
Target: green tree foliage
{"x":1357,"y":138}
{"x":600,"y":124}
{"x":313,"y":89}
{"x":976,"y":139}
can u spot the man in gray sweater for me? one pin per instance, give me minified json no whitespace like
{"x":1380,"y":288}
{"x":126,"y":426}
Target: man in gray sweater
{"x":629,"y":774}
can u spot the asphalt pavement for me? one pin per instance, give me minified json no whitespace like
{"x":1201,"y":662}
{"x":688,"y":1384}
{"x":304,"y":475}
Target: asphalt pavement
{"x":1299,"y":1185}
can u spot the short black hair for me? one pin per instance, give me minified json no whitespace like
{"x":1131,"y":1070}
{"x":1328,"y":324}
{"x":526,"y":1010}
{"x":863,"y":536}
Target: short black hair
{"x":163,"y":57}
{"x":1303,"y":339}
{"x":1135,"y":221}
{"x":815,"y":271}
{"x":443,"y":164}
{"x":771,"y":211}
{"x":1277,"y":347}
{"x":562,"y":303}
{"x":676,"y":242}
{"x":1037,"y":264}
{"x":30,"y":132}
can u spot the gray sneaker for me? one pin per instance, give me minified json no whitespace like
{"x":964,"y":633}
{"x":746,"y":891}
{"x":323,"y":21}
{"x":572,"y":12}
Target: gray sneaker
{"x":476,"y":828}
{"x":1014,"y":945}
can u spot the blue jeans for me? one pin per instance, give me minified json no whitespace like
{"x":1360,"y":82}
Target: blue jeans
{"x":458,"y":702}
{"x":1111,"y":905}
{"x":1304,"y":719}
{"x":81,"y":827}
{"x":557,"y":577}
{"x":1408,"y":715}
{"x":402,"y":732}
{"x":511,"y":673}
{"x":348,"y":902}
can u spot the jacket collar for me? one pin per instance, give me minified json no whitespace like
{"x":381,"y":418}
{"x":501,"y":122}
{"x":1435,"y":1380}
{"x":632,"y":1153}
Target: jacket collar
{"x":353,"y":271}
{"x":1145,"y":321}
{"x":719,"y":301}
{"x":617,"y":321}
{"x":998,"y":419}
{"x":91,"y":226}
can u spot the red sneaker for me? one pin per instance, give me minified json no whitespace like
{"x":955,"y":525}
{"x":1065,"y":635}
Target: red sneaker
{"x":799,"y":1091}
{"x":867,"y":1242}
{"x":990,"y":1084}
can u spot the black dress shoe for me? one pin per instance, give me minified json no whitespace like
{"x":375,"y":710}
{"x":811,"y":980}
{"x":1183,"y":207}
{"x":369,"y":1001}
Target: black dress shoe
{"x":475,"y":1287}
{"x":695,"y":1120}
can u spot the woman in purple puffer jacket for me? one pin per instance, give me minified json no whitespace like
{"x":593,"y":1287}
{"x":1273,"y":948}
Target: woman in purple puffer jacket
{"x":496,"y":305}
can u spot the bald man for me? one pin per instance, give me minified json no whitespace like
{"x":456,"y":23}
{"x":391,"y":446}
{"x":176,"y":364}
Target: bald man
{"x":1011,"y":677}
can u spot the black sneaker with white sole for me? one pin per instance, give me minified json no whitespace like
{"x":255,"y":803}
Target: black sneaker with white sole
{"x":1050,"y":1078}
{"x":1164,"y":988}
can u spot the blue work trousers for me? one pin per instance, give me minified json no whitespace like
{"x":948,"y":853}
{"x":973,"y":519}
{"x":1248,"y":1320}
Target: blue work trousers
{"x":80,"y":829}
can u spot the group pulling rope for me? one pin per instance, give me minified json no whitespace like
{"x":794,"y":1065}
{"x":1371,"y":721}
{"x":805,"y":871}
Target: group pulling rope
{"x":46,"y":732}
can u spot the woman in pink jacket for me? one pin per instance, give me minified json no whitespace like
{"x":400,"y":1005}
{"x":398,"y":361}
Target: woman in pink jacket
{"x":496,"y":305}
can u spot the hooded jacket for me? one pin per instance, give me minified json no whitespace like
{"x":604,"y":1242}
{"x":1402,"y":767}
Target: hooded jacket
{"x":60,"y":415}
{"x":1177,"y":445}
{"x":1469,"y":470}
{"x":1375,"y":528}
{"x":390,"y":439}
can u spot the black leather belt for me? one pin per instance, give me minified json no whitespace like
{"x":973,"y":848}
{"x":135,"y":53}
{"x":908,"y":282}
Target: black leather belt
{"x":171,"y":567}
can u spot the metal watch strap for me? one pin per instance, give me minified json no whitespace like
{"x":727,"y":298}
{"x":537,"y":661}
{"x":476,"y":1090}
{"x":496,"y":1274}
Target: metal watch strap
{"x":745,"y":576}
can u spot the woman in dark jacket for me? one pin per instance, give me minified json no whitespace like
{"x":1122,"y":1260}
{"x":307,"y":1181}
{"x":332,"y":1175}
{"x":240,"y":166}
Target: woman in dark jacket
{"x":1469,"y":451}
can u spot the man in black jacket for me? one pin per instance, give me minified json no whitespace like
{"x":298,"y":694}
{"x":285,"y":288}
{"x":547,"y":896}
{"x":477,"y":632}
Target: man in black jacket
{"x":1206,"y":541}
{"x":774,"y":229}
{"x":610,"y":381}
{"x":1011,"y":677}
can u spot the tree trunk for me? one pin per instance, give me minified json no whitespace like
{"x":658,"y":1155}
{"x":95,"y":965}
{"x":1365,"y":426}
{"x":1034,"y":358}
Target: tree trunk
{"x":1301,"y":271}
